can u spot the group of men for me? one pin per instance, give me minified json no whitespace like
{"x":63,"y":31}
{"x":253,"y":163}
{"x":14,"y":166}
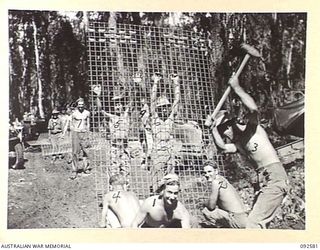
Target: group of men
{"x":162,"y":210}
{"x":157,"y":120}
{"x":224,"y":205}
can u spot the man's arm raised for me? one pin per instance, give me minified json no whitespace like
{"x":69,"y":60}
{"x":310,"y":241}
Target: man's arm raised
{"x":156,"y":79}
{"x":176,"y":85}
{"x":99,"y":106}
{"x":128,"y":108}
{"x":246,"y":99}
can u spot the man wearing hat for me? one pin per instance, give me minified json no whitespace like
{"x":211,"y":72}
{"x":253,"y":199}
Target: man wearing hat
{"x":119,"y":125}
{"x":252,"y":140}
{"x":80,"y":126}
{"x":55,"y":126}
{"x":163,"y":210}
{"x":224,"y":207}
{"x":162,"y":119}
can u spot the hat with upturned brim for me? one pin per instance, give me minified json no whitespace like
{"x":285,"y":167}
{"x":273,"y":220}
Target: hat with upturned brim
{"x":210,"y":163}
{"x":80,"y":100}
{"x":55,"y":111}
{"x":162,"y":101}
{"x":171,"y":177}
{"x":117,"y":97}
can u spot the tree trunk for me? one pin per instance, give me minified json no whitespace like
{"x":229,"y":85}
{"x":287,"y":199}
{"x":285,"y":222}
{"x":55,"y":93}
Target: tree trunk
{"x":36,"y":51}
{"x":289,"y":64}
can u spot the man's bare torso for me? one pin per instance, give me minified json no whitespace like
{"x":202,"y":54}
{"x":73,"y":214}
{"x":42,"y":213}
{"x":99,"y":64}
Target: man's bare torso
{"x":229,"y":199}
{"x":157,"y":216}
{"x":260,"y":149}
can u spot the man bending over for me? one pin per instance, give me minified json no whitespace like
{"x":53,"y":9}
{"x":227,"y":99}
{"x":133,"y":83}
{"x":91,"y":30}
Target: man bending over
{"x":164,"y":210}
{"x":119,"y":206}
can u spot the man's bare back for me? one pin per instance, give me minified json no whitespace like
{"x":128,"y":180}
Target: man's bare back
{"x":229,"y":198}
{"x":123,"y":204}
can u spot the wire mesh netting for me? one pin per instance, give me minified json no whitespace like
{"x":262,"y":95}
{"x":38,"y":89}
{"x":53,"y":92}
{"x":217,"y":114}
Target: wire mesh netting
{"x":151,"y":90}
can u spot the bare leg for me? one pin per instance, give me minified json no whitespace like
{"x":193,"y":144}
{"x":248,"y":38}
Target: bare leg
{"x":85,"y":165}
{"x":113,"y":221}
{"x":74,"y":167}
{"x":109,"y":219}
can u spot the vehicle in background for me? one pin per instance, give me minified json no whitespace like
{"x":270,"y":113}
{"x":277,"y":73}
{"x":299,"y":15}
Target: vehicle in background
{"x":16,"y":155}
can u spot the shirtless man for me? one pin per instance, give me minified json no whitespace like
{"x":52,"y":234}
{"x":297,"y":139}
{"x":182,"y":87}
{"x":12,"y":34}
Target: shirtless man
{"x":119,"y":206}
{"x":119,"y":124}
{"x":252,"y":140}
{"x":80,"y":126}
{"x":162,"y":119}
{"x":163,"y":210}
{"x":224,"y":206}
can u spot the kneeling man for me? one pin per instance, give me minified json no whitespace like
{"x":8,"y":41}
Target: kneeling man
{"x":164,"y":210}
{"x":224,"y":206}
{"x":119,"y":205}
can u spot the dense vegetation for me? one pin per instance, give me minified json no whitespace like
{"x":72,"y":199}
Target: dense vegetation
{"x":48,"y":53}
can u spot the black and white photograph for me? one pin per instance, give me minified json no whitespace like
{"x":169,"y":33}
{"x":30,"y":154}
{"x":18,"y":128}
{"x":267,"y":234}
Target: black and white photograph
{"x":156,"y":120}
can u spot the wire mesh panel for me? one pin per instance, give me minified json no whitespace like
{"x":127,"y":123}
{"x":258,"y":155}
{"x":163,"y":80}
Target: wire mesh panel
{"x":151,"y":91}
{"x":58,"y":147}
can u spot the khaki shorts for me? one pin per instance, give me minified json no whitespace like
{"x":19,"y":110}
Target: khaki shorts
{"x":79,"y":142}
{"x":274,"y":186}
{"x":227,"y":219}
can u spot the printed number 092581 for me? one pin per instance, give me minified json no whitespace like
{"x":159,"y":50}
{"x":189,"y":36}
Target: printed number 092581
{"x":309,"y":246}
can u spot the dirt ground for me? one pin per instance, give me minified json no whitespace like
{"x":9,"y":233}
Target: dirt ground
{"x":42,"y":196}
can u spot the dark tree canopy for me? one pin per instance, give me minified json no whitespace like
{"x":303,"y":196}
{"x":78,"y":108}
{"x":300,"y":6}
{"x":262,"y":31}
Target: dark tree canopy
{"x":62,"y":53}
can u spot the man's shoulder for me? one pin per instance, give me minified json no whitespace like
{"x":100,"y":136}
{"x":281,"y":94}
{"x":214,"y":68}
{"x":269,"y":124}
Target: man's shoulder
{"x":151,"y":200}
{"x":181,"y":207}
{"x":85,"y":113}
{"x":125,"y":193}
{"x":221,"y":178}
{"x":153,"y":197}
{"x":223,"y":182}
{"x":113,"y":195}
